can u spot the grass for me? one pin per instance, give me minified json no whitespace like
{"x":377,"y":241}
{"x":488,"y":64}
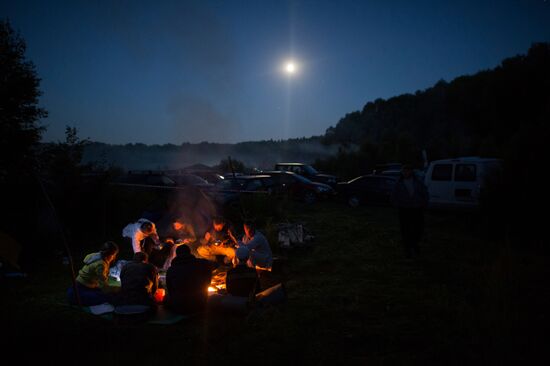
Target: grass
{"x":352,"y":298}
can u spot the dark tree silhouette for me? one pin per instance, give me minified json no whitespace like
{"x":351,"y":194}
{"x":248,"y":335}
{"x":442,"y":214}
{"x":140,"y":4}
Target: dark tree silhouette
{"x":225,"y":167}
{"x":20,"y":131}
{"x":504,"y":113}
{"x":495,"y":112}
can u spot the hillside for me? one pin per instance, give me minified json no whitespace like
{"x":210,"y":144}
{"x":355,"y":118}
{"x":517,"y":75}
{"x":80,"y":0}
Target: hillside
{"x":493,"y":113}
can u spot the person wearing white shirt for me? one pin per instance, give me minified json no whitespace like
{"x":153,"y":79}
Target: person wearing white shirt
{"x":143,"y":234}
{"x":139,"y":230}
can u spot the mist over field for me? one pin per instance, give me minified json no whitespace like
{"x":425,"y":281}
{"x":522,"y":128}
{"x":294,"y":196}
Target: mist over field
{"x":262,"y":154}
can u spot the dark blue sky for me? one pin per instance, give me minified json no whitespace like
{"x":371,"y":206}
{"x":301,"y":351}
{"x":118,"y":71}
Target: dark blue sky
{"x":174,"y":71}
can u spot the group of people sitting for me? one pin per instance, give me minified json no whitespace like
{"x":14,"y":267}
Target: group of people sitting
{"x":187,"y":260}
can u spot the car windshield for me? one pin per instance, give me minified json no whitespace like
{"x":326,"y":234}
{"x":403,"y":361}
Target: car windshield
{"x":192,"y":180}
{"x":356,"y":179}
{"x":310,"y":170}
{"x":230,"y":184}
{"x":302,"y":179}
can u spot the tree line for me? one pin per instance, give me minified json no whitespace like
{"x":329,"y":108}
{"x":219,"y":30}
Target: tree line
{"x":503,"y":112}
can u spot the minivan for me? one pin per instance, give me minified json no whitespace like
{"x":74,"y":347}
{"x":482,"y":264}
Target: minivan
{"x":459,"y":182}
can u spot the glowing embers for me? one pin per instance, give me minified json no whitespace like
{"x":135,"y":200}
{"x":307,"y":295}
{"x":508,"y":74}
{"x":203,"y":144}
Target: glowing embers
{"x":217,"y":284}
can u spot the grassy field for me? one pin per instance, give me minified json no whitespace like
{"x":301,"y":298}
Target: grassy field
{"x":352,"y":298}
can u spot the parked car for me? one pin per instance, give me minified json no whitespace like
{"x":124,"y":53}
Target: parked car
{"x":146,"y":178}
{"x":299,"y":187}
{"x":367,"y":189}
{"x":381,"y":168}
{"x":209,"y":176}
{"x":308,"y":172}
{"x":228,"y":190}
{"x":390,"y":173}
{"x":420,"y":174}
{"x":190,"y":180}
{"x":459,"y":182}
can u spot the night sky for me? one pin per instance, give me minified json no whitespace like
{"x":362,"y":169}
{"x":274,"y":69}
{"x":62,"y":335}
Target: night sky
{"x":171,"y":71}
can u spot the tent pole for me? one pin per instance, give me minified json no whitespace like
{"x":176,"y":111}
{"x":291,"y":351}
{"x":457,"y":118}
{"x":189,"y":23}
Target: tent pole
{"x":64,"y":240}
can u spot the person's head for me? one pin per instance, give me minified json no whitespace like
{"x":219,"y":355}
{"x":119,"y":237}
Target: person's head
{"x":183,"y":251}
{"x":242,"y":253}
{"x":109,"y":251}
{"x":407,"y":171}
{"x":146,"y":228}
{"x":219,"y":223}
{"x":141,"y":257}
{"x":178,"y":224}
{"x":249,"y":228}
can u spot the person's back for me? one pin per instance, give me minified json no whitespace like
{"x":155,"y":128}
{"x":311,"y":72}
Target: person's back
{"x":241,"y":280}
{"x":187,"y":282}
{"x":139,"y":281}
{"x":94,"y":273}
{"x":91,"y":285}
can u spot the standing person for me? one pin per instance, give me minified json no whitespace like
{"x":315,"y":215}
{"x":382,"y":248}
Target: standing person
{"x":410,"y":196}
{"x":92,"y":280}
{"x":139,"y":282}
{"x":257,"y":244}
{"x":220,"y":240}
{"x":187,"y":282}
{"x":144,"y":237}
{"x":242,"y":280}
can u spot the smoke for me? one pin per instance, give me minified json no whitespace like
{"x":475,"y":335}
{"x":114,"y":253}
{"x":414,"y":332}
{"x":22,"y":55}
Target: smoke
{"x":195,"y":40}
{"x":262,"y":155}
{"x":196,"y":119}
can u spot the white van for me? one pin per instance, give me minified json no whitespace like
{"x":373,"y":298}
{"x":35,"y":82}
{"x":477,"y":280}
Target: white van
{"x":458,"y":182}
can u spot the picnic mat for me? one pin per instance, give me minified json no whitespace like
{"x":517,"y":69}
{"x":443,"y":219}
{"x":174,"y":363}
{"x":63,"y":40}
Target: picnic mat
{"x":163,"y":316}
{"x":91,"y":309}
{"x":166,"y":317}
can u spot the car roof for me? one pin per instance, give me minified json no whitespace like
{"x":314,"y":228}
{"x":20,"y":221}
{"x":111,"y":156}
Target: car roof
{"x":271,"y":172}
{"x":466,"y":159}
{"x":248,"y":176}
{"x":376,"y":176}
{"x":146,"y":172}
{"x":300,"y":164}
{"x":388,"y":164}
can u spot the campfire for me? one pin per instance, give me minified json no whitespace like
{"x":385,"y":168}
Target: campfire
{"x":218,"y":282}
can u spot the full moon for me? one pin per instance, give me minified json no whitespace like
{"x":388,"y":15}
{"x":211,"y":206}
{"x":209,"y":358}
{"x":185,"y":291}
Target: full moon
{"x":290,"y":68}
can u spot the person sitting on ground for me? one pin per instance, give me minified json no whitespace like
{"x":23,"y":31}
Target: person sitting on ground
{"x":143,"y":234}
{"x":257,"y":244}
{"x":218,"y":241}
{"x":187,"y":282}
{"x":92,"y":280}
{"x":139,"y":282}
{"x":242,"y":280}
{"x":179,"y":233}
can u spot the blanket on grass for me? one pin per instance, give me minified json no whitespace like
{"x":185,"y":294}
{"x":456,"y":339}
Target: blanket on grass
{"x":162,"y":316}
